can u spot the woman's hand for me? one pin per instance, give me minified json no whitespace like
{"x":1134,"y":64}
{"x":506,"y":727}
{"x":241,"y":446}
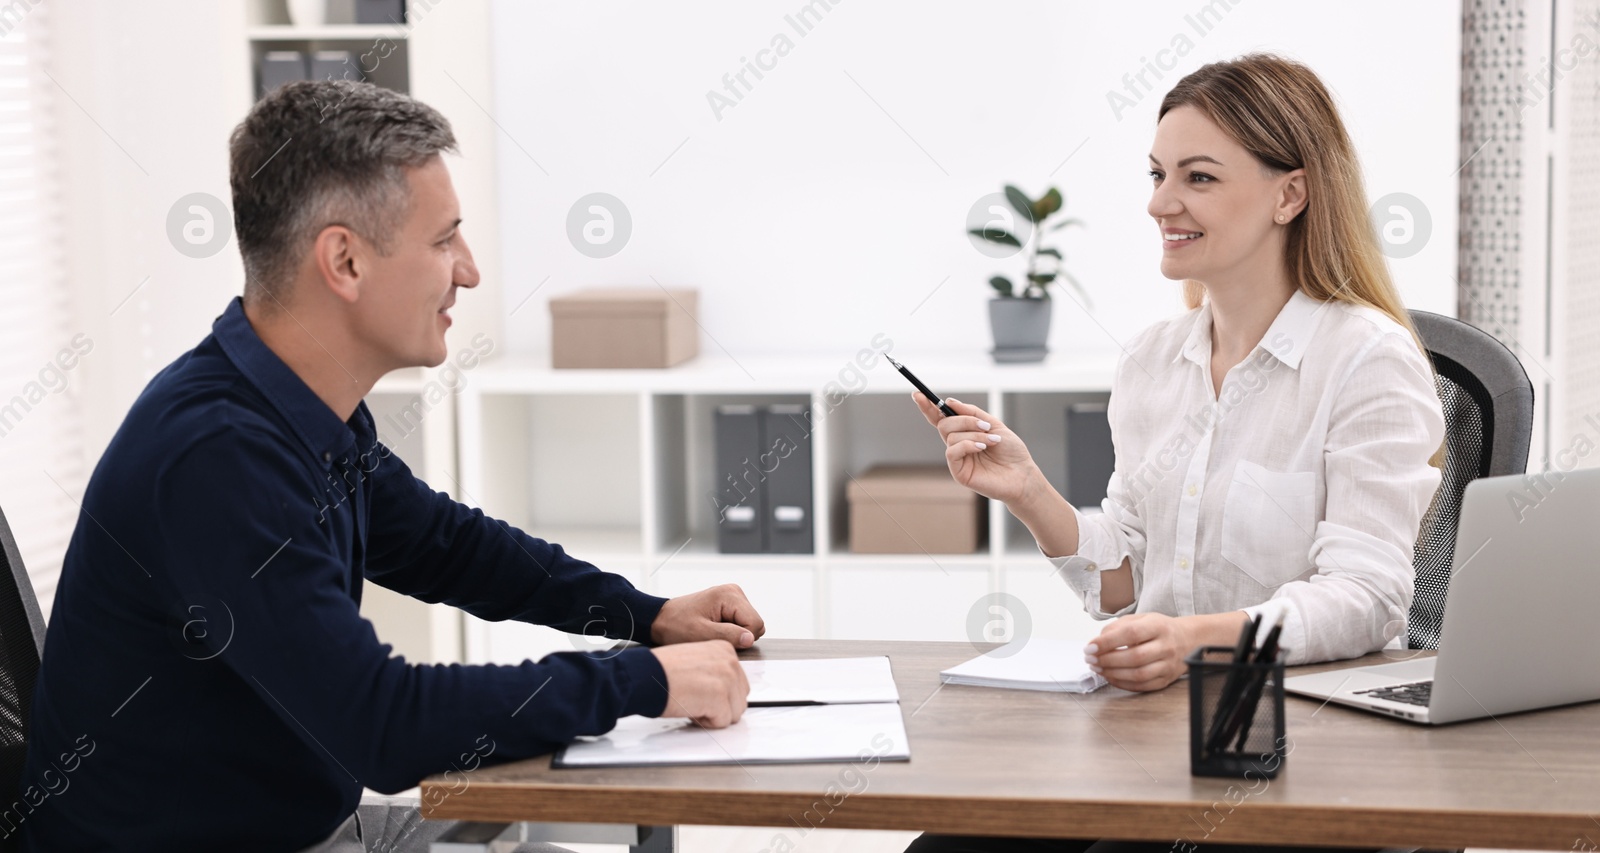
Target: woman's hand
{"x":1141,"y":652}
{"x":982,"y":453}
{"x":1145,"y":651}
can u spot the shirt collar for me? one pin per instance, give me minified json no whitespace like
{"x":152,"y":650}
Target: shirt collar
{"x":317,"y":427}
{"x":1286,"y":339}
{"x":1290,"y":334}
{"x":1197,"y":347}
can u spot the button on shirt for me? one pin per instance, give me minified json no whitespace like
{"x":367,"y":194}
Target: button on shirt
{"x":208,"y":682}
{"x":1297,"y":492}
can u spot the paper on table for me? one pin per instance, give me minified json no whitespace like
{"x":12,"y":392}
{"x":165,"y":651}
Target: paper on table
{"x":829,"y":682}
{"x":1030,"y":664}
{"x":811,"y":733}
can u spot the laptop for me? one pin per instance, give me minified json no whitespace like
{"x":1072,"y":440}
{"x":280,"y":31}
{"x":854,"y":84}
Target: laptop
{"x":1518,"y":632}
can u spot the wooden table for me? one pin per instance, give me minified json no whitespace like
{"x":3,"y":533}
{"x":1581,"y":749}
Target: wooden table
{"x":1111,"y":764}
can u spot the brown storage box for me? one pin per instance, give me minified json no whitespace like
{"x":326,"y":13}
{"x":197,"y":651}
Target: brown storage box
{"x":913,"y":509}
{"x":624,"y":327}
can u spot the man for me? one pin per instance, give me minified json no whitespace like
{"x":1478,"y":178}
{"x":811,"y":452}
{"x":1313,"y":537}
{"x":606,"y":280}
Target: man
{"x":209,"y":682}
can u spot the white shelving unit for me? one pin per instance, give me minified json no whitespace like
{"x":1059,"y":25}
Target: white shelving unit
{"x":617,"y":466}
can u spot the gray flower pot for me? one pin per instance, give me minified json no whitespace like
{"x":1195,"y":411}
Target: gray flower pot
{"x":1021,"y":328}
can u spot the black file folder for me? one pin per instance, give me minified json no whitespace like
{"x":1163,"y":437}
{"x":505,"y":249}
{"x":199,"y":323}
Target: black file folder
{"x":335,"y":65}
{"x":786,"y":449}
{"x":1090,"y":456}
{"x":279,"y":67}
{"x":738,"y":480}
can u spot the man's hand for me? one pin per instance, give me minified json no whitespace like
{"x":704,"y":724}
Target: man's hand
{"x":704,"y":682}
{"x":1145,"y":651}
{"x":718,"y":613}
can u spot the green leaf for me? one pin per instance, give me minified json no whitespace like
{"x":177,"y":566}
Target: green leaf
{"x":1041,"y":278}
{"x":1054,"y":253}
{"x":1064,"y":223}
{"x":1020,"y":203}
{"x":1049,"y":203}
{"x":995,"y":235}
{"x":1001,"y":284}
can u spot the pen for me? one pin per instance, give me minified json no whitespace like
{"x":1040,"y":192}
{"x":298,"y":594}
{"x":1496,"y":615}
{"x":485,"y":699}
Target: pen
{"x":1267,"y":655}
{"x":934,"y":398}
{"x":1222,"y":719}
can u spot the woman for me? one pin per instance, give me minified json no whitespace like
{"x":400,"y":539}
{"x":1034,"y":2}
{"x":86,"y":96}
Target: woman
{"x":1276,"y":445}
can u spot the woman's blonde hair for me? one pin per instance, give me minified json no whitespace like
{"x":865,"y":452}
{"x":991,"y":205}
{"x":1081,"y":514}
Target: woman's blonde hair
{"x":1280,"y":112}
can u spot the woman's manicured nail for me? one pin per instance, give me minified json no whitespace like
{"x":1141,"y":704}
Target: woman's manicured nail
{"x":983,"y":425}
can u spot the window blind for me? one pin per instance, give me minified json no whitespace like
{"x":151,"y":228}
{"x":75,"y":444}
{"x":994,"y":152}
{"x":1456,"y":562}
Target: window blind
{"x":42,"y":465}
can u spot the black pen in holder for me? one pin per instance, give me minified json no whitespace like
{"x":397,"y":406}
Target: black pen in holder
{"x":1235,"y":714}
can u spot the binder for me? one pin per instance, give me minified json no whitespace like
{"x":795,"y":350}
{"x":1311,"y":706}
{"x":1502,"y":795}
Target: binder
{"x":282,"y":66}
{"x":335,"y":65}
{"x":737,"y":480}
{"x":381,"y":11}
{"x":1090,"y":455}
{"x":786,"y":445}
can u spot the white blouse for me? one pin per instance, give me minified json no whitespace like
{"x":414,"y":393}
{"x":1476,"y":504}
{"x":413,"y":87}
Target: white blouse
{"x":1297,"y":493}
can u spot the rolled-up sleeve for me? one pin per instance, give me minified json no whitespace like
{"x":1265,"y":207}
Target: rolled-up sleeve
{"x":1102,"y":546}
{"x":1384,"y":426}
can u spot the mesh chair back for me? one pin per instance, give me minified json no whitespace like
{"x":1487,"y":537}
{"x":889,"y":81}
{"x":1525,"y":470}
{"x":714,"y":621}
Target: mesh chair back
{"x":1488,"y":416}
{"x":21,"y":641}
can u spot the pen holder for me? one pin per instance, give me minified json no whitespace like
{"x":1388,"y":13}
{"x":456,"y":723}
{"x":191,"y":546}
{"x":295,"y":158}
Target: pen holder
{"x":1235,"y":715}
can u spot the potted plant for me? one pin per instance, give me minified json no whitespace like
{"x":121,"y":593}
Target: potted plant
{"x":1020,"y":320}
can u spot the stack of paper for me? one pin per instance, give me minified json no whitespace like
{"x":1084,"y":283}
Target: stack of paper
{"x":837,"y":681}
{"x":840,"y":710}
{"x":1032,"y":664}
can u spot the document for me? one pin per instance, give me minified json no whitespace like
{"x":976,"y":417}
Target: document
{"x":1031,"y":664}
{"x":801,"y":711}
{"x":833,"y":681}
{"x":779,"y":735}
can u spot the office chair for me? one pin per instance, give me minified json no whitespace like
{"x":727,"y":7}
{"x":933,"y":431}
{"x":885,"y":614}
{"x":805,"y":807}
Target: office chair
{"x":1488,"y":417}
{"x":21,"y":642}
{"x":1488,"y":422}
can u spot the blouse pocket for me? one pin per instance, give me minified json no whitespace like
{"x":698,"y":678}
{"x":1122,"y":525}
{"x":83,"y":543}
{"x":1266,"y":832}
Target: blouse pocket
{"x":1268,"y":523}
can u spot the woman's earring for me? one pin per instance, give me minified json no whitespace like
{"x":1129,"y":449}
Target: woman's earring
{"x":1280,"y":217}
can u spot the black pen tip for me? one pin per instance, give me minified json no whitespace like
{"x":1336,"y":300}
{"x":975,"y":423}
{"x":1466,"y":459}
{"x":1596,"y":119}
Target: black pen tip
{"x":892,"y":361}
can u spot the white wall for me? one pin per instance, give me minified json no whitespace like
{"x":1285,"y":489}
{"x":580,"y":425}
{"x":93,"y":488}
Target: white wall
{"x":152,"y":90}
{"x":830,"y":202}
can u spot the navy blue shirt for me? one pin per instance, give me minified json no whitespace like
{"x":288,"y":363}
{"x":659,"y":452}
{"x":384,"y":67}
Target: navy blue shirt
{"x":208,"y":681}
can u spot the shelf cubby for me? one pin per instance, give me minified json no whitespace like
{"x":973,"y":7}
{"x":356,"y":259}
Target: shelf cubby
{"x":1040,"y":418}
{"x":687,"y":483}
{"x":879,"y":427}
{"x":564,"y":467}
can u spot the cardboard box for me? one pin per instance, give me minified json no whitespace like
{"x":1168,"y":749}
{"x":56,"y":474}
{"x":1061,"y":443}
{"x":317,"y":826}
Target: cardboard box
{"x":913,"y":509}
{"x":624,"y":328}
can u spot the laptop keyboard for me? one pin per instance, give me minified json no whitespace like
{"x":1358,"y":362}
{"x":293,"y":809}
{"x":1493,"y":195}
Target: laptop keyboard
{"x":1415,"y":693}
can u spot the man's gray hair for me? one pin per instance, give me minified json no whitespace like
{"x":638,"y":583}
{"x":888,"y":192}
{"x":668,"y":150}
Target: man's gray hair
{"x":320,"y":153}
